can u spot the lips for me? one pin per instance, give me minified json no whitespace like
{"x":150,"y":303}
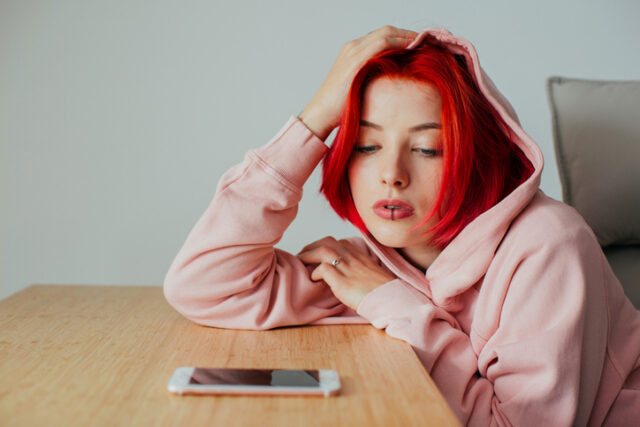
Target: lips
{"x":392,"y":209}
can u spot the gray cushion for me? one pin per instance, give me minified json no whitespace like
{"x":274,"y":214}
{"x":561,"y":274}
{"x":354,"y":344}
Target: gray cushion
{"x":625,"y":262}
{"x":596,"y":127}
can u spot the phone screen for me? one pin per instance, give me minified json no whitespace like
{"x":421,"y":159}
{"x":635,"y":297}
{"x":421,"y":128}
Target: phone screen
{"x":258,"y":377}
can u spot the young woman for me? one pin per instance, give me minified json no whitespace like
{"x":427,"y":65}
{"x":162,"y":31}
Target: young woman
{"x":504,"y":293}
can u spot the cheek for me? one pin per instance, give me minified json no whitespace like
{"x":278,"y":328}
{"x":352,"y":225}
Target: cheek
{"x":430,"y":182}
{"x":359,"y":182}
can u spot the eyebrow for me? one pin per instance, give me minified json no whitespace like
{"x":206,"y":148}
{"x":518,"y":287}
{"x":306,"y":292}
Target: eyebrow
{"x":417,"y":128}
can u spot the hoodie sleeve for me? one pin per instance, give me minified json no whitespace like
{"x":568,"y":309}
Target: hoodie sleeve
{"x":542,"y":364}
{"x":228,"y":273}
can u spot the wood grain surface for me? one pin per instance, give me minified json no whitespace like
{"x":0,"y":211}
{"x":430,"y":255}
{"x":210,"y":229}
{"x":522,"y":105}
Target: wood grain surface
{"x":102,"y":355}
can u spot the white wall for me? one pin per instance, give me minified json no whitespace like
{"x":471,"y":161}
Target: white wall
{"x":117,"y":118}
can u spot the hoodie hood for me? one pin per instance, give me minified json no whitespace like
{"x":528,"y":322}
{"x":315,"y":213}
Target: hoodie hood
{"x":465,"y":260}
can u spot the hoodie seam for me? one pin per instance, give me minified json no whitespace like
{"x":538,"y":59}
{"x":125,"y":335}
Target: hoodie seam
{"x":474,"y":330}
{"x":614,"y":362}
{"x":275,"y":173}
{"x":235,"y":179}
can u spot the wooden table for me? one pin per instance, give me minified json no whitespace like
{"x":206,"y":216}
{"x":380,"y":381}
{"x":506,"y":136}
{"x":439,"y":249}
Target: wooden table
{"x":102,"y":355}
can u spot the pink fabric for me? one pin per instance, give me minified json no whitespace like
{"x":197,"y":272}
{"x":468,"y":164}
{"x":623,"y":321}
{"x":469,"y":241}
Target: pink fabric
{"x":519,"y":321}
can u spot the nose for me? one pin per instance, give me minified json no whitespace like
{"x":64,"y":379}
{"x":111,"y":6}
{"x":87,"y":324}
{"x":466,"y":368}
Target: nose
{"x":393,"y":171}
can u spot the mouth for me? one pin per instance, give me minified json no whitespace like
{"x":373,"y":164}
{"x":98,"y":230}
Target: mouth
{"x":392,"y":209}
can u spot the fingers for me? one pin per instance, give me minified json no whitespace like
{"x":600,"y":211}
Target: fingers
{"x":327,"y":241}
{"x":352,"y":277}
{"x":391,"y":31}
{"x":326,"y":272}
{"x":351,"y":249}
{"x":327,"y":250}
{"x":380,"y":44}
{"x":385,"y":37}
{"x":322,"y":114}
{"x":388,"y":37}
{"x":331,"y":242}
{"x":323,"y":254}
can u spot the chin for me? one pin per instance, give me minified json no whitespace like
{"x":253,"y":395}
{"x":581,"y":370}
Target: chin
{"x":390,"y":238}
{"x":398,"y":234}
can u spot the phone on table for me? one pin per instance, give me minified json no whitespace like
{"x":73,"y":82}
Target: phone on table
{"x":282,"y":382}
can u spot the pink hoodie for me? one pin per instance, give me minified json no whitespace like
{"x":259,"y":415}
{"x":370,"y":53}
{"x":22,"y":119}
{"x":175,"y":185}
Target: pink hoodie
{"x":519,"y":321}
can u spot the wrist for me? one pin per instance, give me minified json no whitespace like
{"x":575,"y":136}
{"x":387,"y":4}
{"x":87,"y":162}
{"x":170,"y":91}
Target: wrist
{"x":315,"y":123}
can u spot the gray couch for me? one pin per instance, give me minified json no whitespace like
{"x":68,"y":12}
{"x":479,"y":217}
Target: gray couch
{"x":596,"y":131}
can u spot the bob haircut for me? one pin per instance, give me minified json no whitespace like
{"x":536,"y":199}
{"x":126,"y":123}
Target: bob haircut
{"x":481,"y":163}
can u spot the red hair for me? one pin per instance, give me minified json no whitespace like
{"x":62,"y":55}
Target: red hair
{"x":481,"y":163}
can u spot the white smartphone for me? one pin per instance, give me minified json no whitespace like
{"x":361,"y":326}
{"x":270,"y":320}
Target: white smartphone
{"x":282,"y":382}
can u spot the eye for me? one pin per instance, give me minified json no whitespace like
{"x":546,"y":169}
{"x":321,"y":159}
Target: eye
{"x":366,"y":149}
{"x":427,"y":152}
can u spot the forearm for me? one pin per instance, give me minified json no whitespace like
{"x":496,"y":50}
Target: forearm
{"x":230,"y":251}
{"x":511,"y":383}
{"x":315,"y":122}
{"x":444,"y":350}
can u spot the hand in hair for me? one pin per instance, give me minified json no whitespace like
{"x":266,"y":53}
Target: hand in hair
{"x":322,"y":114}
{"x":354,"y":274}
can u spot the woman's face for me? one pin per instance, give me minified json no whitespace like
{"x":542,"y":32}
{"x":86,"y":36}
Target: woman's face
{"x":396,"y":166}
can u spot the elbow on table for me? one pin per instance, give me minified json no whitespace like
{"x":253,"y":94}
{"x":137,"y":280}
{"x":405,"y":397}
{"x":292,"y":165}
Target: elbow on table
{"x":171,"y":289}
{"x":176,"y":292}
{"x":194,"y":303}
{"x":232,"y":301}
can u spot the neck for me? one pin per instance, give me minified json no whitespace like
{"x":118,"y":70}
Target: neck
{"x":420,"y":257}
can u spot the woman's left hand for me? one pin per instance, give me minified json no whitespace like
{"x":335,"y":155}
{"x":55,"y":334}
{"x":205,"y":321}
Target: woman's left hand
{"x":352,"y":277}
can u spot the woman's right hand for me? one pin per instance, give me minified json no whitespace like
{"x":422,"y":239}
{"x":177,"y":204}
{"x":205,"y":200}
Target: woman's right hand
{"x":322,"y":114}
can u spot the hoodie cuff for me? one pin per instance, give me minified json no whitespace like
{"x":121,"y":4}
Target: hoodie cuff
{"x":394,"y":299}
{"x":293,"y":152}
